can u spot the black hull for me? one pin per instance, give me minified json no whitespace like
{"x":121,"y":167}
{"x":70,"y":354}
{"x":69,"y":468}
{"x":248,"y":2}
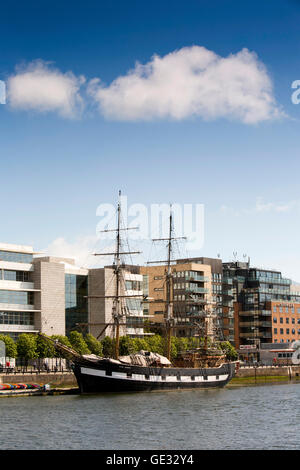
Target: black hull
{"x":108,"y":377}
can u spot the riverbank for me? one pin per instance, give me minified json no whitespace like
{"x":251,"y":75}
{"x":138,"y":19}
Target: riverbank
{"x":64,"y":383}
{"x":54,"y":379}
{"x":58,"y":383}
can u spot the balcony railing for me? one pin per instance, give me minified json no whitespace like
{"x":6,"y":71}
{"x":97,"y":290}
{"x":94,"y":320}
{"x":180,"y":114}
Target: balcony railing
{"x":249,"y":313}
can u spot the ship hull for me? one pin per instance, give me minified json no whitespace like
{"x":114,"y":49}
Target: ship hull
{"x":107,"y":377}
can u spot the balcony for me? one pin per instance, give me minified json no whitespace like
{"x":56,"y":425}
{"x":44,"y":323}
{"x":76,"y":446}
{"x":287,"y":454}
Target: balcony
{"x":245,"y":324}
{"x":197,"y":278}
{"x":250,"y":313}
{"x":197,"y":290}
{"x":259,"y":334}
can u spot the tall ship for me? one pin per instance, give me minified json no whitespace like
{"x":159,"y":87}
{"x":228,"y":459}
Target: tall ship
{"x":201,"y":367}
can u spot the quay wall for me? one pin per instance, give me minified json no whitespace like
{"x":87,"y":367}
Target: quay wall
{"x":53,"y":378}
{"x":289,"y":372}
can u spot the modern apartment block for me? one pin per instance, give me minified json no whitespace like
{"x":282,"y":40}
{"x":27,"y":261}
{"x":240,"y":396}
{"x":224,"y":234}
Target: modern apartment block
{"x":255,"y":293}
{"x":18,"y":311}
{"x":192,"y":293}
{"x":285,"y":318}
{"x":218,"y":294}
{"x":63,"y":294}
{"x":39,"y":293}
{"x":102,"y":289}
{"x":52,"y":295}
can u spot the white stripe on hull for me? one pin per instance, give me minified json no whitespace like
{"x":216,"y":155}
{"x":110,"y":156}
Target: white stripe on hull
{"x":152,"y":378}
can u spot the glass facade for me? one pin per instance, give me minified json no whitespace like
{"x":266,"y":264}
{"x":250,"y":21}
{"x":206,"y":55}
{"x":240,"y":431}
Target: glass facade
{"x":15,"y":257}
{"x":16,"y":318}
{"x":16,"y":297}
{"x":10,"y":275}
{"x":76,"y":290}
{"x":133,"y":285}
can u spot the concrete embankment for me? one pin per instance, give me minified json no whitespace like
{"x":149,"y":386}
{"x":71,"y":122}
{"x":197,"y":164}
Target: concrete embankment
{"x":56,"y":380}
{"x":246,"y":375}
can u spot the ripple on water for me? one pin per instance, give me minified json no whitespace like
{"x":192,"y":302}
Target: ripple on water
{"x":262,"y":417}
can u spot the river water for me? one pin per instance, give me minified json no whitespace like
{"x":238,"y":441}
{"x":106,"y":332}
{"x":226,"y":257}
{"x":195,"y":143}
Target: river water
{"x":248,"y":417}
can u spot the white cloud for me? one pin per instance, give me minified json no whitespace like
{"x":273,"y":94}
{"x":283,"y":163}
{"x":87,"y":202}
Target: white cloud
{"x":262,"y":207}
{"x":39,"y":87}
{"x":81,"y":250}
{"x":192,"y":81}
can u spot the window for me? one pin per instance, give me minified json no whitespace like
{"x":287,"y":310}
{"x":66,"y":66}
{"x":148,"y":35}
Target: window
{"x":281,"y":320}
{"x":16,"y":318}
{"x":16,"y":297}
{"x":287,"y":331}
{"x":20,"y":276}
{"x":15,"y":257}
{"x":287,"y":320}
{"x":133,"y":285}
{"x":275,"y":331}
{"x":275,"y":320}
{"x":281,"y":331}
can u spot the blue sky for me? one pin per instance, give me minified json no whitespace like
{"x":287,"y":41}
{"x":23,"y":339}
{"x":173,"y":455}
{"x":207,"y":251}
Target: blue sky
{"x":56,"y":169}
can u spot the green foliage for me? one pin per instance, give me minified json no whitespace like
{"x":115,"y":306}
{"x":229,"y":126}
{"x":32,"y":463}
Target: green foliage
{"x":127,"y":346}
{"x":78,"y":343}
{"x":139,"y":344}
{"x":94,"y":345}
{"x":30,"y":346}
{"x":27,"y":346}
{"x":108,"y":347}
{"x":44,"y":348}
{"x":62,"y":339}
{"x":229,"y":350}
{"x":10,"y":346}
{"x":156,"y":344}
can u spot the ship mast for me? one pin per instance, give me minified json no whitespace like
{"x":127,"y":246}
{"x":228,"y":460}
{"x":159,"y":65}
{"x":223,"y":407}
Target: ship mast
{"x":169,"y":287}
{"x":116,"y":303}
{"x":169,"y":314}
{"x":117,"y":307}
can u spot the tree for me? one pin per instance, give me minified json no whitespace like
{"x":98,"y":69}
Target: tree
{"x":94,"y":345}
{"x":27,"y":347}
{"x":108,"y":346}
{"x":127,"y":346}
{"x":139,"y":344}
{"x":229,"y":350}
{"x":156,"y":344}
{"x":10,"y":346}
{"x":63,"y":340}
{"x":44,"y":348}
{"x":78,"y":343}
